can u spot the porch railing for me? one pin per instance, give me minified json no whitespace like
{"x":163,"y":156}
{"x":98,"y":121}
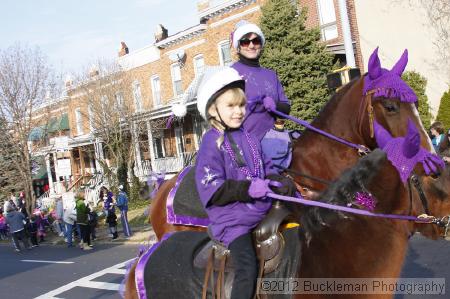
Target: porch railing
{"x":167,"y":164}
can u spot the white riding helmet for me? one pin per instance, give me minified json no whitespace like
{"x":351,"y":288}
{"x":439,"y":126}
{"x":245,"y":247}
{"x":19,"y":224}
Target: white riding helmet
{"x":213,"y":85}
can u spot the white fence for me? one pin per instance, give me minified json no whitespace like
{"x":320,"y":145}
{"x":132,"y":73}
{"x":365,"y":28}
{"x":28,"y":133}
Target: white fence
{"x":167,"y":165}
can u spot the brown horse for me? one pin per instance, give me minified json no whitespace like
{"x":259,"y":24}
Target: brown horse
{"x":356,"y":246}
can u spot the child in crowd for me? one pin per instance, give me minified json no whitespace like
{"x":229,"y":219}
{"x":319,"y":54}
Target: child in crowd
{"x":233,"y":176}
{"x":32,"y":230}
{"x":42,"y":224}
{"x":93,"y":221}
{"x":3,"y":227}
{"x":111,"y":220}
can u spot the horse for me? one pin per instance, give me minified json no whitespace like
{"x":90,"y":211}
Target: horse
{"x":355,"y":246}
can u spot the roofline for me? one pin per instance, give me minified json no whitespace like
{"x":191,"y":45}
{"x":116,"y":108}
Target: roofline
{"x":182,"y":35}
{"x":221,"y":8}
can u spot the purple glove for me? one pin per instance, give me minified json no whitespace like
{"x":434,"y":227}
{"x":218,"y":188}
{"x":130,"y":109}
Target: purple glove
{"x":269,"y":104}
{"x":259,"y":188}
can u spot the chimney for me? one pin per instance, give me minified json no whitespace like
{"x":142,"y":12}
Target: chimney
{"x":123,"y":49}
{"x":68,"y":82}
{"x":202,"y":5}
{"x":93,"y":72}
{"x":161,"y":33}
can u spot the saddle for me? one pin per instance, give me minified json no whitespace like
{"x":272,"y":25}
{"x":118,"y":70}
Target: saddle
{"x":269,"y":244}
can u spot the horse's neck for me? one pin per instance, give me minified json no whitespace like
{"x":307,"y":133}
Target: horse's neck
{"x":322,"y":157}
{"x":361,"y":248}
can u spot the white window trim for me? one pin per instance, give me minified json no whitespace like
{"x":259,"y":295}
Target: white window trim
{"x":173,"y":79}
{"x":219,"y":50}
{"x":91,"y":118}
{"x":155,"y":102}
{"x":324,"y":25}
{"x":79,"y":121}
{"x":137,"y":106}
{"x":195,"y":59}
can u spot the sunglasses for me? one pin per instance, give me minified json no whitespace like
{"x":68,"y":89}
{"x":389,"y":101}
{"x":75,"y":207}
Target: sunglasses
{"x":245,"y":42}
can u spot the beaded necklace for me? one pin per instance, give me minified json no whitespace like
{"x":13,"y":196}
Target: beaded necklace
{"x":255,"y":157}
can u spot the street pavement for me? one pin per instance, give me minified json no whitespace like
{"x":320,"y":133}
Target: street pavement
{"x":79,"y":274}
{"x":98,"y":273}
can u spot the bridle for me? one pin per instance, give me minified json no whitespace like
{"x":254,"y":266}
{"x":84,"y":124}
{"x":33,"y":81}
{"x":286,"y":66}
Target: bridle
{"x":443,"y":222}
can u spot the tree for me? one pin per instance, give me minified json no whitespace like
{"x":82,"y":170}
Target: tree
{"x":110,"y":108}
{"x":419,"y":84}
{"x":297,"y":55}
{"x":444,"y":110}
{"x":9,"y":177}
{"x":25,"y":80}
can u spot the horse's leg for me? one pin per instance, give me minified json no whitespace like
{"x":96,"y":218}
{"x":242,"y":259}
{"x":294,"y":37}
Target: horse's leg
{"x":130,"y":285}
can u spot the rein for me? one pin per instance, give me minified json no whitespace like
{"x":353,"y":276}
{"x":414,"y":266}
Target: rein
{"x":420,"y":219}
{"x":362,"y":150}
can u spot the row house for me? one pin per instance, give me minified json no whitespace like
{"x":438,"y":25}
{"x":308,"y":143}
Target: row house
{"x":51,"y":161}
{"x":159,"y":74}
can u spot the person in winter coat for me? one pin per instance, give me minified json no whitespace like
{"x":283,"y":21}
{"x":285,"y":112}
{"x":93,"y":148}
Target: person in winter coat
{"x":82,"y":221}
{"x":59,"y":214}
{"x":232,"y":176}
{"x":3,"y":227}
{"x":122,"y":204}
{"x":444,"y":148}
{"x":15,"y":221}
{"x":111,"y":220}
{"x":69,"y":218}
{"x":32,"y":230}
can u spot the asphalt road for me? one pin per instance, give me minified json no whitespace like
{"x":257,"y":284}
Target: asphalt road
{"x":23,"y":279}
{"x":97,"y":273}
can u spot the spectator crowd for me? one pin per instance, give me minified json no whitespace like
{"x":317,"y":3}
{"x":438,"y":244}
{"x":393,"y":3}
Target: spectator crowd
{"x":71,"y":220}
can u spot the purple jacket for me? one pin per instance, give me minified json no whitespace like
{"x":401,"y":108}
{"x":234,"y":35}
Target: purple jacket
{"x":213,"y":167}
{"x":259,"y":83}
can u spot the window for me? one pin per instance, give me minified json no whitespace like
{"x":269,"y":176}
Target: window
{"x":79,"y":121}
{"x":176,"y":79}
{"x":158,"y":147}
{"x":91,"y":118}
{"x":119,"y":102}
{"x":327,"y":16}
{"x":225,"y":53}
{"x":156,"y":90}
{"x":199,"y":64}
{"x":137,"y":96}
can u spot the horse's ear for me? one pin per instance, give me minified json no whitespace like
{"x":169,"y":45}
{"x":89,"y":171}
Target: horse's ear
{"x":411,"y":146}
{"x":400,"y":66}
{"x":382,"y":136}
{"x":374,"y":65}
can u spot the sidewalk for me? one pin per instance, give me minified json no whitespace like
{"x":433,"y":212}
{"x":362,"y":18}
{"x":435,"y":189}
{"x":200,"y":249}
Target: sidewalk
{"x":142,"y":232}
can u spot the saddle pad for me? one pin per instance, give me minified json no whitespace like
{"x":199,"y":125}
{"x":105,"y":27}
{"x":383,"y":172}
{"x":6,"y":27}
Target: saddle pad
{"x":183,"y":203}
{"x":170,"y":273}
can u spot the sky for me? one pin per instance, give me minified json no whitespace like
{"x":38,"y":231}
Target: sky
{"x":74,"y":34}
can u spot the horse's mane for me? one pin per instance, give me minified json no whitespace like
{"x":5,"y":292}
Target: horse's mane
{"x":342,"y":191}
{"x":334,"y":100}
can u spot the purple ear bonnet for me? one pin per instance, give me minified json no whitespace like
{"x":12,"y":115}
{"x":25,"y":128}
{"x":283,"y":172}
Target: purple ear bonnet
{"x":388,"y":84}
{"x":405,"y":152}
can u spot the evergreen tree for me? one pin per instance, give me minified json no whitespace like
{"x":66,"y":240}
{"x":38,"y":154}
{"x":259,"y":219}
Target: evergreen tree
{"x":444,"y":110}
{"x":418,"y":83}
{"x":297,"y":55}
{"x":9,"y":176}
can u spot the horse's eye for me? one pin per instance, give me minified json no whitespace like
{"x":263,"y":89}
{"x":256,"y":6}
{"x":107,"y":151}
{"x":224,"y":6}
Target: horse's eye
{"x":391,"y":107}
